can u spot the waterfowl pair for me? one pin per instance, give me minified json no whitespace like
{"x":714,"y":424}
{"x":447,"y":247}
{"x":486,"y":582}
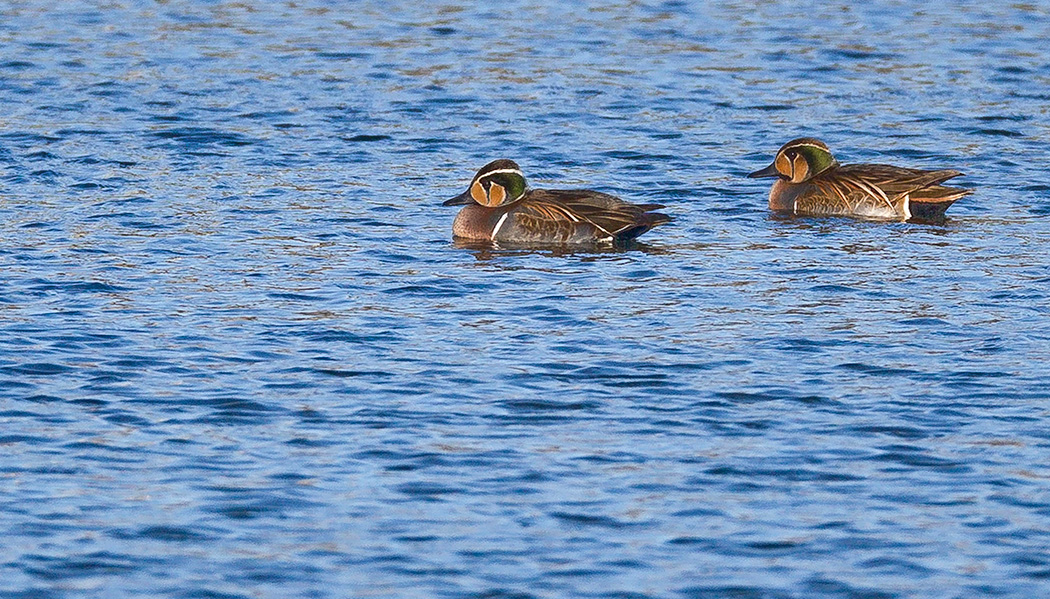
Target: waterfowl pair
{"x":811,"y":182}
{"x":501,"y":208}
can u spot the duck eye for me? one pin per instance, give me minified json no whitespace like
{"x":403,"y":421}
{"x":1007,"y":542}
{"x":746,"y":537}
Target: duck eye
{"x":791,"y":154}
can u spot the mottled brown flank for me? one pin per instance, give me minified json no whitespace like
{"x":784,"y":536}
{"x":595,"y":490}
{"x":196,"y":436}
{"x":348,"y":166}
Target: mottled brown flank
{"x":478,"y":193}
{"x":880,"y":190}
{"x":610,"y":217}
{"x":497,"y":193}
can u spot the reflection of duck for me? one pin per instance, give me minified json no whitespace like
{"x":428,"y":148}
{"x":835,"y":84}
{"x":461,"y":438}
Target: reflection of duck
{"x":500,"y":207}
{"x":812,"y":182}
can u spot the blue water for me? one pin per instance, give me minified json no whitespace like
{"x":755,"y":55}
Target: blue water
{"x":241,"y":357}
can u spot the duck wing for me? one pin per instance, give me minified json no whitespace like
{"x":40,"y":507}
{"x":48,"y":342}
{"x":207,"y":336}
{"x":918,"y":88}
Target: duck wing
{"x":608,"y":214}
{"x":881,"y":181}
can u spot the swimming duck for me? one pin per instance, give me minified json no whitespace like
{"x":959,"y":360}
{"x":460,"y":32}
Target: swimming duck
{"x":501,"y":208}
{"x":812,"y":182}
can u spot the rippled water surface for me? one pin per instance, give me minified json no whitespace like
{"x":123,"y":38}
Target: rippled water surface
{"x":240,"y":355}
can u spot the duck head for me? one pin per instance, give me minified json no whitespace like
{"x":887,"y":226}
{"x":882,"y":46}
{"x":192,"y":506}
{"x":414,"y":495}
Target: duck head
{"x":799,"y":161}
{"x":498,"y":183}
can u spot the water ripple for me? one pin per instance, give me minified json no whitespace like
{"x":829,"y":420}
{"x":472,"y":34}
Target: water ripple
{"x":241,"y":356}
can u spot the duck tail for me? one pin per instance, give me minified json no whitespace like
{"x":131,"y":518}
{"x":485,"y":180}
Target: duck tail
{"x":644,"y":222}
{"x":931,"y":203}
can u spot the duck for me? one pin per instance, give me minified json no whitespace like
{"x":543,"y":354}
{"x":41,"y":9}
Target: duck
{"x":811,"y":182}
{"x":500,"y":208}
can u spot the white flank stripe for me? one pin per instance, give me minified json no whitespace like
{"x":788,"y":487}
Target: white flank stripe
{"x":907,"y":207}
{"x":499,"y":224}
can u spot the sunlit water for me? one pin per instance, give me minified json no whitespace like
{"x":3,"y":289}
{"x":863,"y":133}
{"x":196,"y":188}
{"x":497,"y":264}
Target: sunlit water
{"x":240,"y":355}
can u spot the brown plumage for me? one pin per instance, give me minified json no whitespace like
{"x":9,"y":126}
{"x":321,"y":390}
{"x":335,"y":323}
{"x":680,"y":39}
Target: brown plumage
{"x":810,"y":181}
{"x":543,"y":217}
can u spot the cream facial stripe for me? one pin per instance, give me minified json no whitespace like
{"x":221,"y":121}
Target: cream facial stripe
{"x":502,"y":170}
{"x":499,"y":224}
{"x":792,"y":147}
